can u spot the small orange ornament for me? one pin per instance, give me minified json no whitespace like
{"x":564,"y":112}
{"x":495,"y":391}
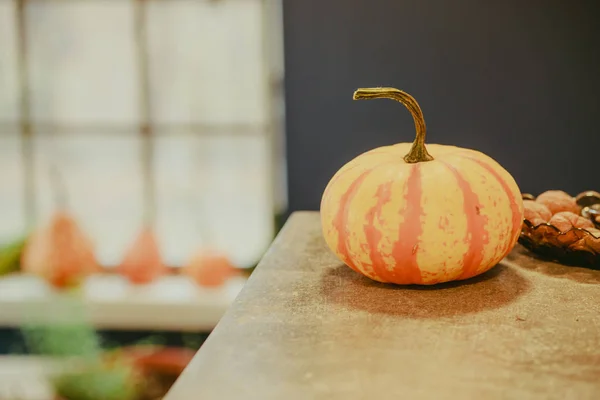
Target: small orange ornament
{"x":566,"y":220}
{"x":594,"y":231}
{"x":143,"y":262}
{"x":535,"y":212}
{"x":557,"y":201}
{"x":210,"y":268}
{"x":60,"y":252}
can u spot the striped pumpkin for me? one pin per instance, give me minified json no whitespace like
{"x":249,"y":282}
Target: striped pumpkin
{"x":411,"y":214}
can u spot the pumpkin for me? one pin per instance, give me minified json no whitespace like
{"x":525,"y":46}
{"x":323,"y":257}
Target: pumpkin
{"x":59,"y":252}
{"x":416,"y":214}
{"x":143,"y":263}
{"x":210,"y":268}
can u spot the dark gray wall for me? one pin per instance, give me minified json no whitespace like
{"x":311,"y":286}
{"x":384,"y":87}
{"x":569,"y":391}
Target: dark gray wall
{"x":518,"y":80}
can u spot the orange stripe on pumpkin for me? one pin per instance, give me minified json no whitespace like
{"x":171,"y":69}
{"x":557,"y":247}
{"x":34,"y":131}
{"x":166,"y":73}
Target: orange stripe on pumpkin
{"x":373,"y":235}
{"x":345,"y":169}
{"x":340,"y":221}
{"x":405,"y":249}
{"x":514,"y":206}
{"x":477,"y":235}
{"x":341,"y":173}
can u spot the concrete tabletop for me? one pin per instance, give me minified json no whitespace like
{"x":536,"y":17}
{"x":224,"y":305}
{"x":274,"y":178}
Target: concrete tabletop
{"x":307,"y":327}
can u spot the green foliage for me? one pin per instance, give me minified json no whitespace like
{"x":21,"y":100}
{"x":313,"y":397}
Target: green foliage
{"x":10,"y":256}
{"x":62,"y":331}
{"x":100,"y":382}
{"x":152,"y":340}
{"x":63,"y":340}
{"x":192,"y":340}
{"x":89,"y":376}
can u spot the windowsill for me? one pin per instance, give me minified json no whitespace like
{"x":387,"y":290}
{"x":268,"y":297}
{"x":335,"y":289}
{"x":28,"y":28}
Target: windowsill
{"x":172,"y":303}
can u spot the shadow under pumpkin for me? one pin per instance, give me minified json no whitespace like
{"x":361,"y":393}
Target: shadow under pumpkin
{"x":497,"y":287}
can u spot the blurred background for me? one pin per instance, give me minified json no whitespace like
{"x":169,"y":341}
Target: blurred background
{"x":171,"y":108}
{"x":153,"y":130}
{"x":176,"y":136}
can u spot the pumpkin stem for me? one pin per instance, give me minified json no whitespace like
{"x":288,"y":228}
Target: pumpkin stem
{"x":418,"y":151}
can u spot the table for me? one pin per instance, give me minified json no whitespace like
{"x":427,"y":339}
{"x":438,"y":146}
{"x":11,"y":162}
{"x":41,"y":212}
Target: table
{"x":307,"y":327}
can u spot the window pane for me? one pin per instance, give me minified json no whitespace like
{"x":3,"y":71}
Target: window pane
{"x":12,"y":213}
{"x":213,"y":191}
{"x":83,"y":62}
{"x":102,"y":176}
{"x":207,"y":63}
{"x":9,"y":95}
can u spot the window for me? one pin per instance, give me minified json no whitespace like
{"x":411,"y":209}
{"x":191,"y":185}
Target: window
{"x":166,"y":108}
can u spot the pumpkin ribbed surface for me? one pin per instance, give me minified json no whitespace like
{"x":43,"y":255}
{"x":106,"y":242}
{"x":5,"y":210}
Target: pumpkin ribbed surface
{"x":450,"y":218}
